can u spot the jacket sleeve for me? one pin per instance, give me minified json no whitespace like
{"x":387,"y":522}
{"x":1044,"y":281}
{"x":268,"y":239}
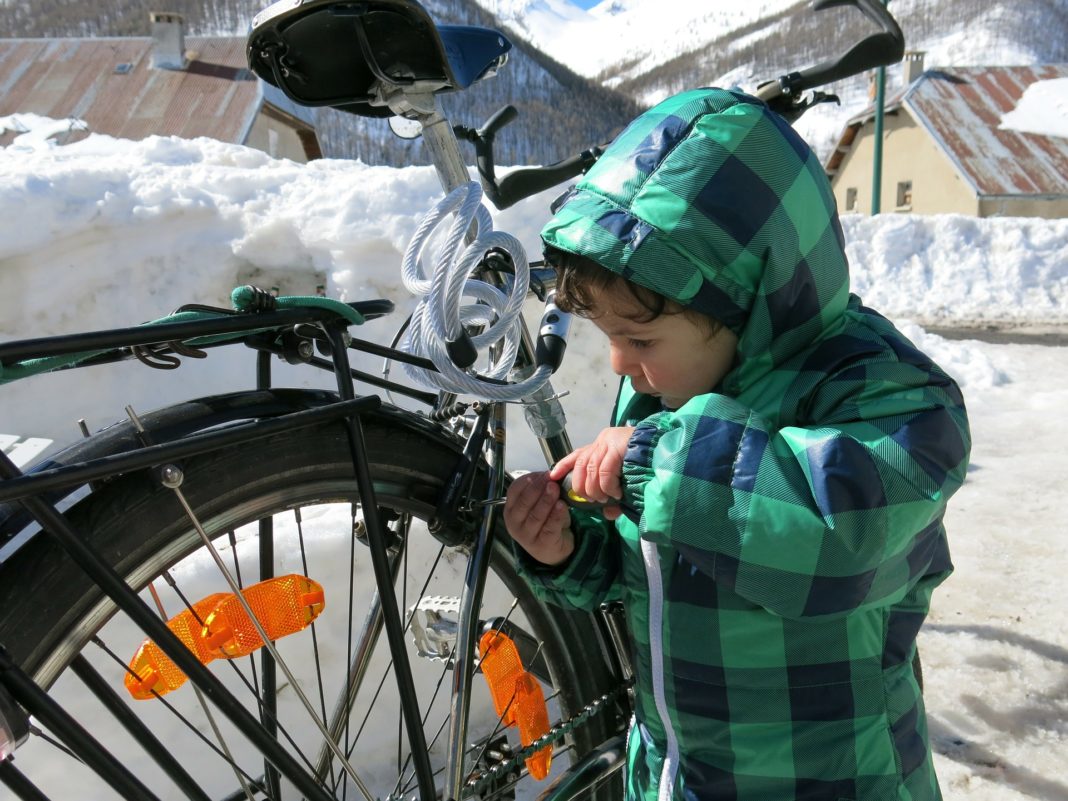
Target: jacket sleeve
{"x":806,"y":520}
{"x":588,"y":577}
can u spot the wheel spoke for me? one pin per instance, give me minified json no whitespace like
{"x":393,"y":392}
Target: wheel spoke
{"x":244,"y":777}
{"x":267,"y":644}
{"x":200,"y":697}
{"x":268,"y":712}
{"x":299,"y":520}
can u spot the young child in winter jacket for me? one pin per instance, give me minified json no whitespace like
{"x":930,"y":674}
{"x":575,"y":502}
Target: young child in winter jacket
{"x":778,"y":466}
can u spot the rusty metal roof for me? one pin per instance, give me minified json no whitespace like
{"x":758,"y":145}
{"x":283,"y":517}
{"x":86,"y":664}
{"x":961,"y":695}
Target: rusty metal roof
{"x":962,"y":108}
{"x":109,"y":83}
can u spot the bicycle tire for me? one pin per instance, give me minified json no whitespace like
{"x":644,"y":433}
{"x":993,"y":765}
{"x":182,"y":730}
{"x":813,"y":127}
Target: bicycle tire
{"x":52,"y":610}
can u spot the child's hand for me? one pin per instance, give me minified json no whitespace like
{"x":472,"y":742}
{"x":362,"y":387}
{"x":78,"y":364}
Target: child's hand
{"x":597,"y":469}
{"x":538,"y":520}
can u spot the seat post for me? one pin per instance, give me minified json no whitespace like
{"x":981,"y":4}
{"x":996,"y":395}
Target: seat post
{"x":444,"y":148}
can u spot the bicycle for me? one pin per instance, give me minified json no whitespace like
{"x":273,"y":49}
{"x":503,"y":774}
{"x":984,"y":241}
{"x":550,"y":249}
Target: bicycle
{"x":124,"y":531}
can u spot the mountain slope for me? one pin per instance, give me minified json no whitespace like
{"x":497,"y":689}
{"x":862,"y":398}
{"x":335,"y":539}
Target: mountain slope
{"x":560,"y":112}
{"x":633,"y":36}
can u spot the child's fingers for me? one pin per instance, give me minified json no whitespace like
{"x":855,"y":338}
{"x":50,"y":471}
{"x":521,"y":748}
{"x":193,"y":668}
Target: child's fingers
{"x":553,"y":521}
{"x":564,"y":466}
{"x":543,"y":507}
{"x":602,"y":475}
{"x":522,"y":497}
{"x":554,"y":540}
{"x":611,"y":474}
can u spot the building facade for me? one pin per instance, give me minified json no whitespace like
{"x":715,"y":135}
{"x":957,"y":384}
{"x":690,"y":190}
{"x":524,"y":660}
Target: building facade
{"x":947,"y":149}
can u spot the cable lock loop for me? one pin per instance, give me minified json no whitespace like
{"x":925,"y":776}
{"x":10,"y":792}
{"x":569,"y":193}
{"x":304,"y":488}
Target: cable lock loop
{"x":440,"y":326}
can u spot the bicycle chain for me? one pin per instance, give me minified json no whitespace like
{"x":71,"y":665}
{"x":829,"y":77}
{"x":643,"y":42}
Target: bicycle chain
{"x":560,"y":730}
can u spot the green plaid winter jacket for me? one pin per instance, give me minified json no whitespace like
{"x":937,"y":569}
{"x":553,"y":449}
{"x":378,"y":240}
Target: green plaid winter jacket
{"x":784,"y":531}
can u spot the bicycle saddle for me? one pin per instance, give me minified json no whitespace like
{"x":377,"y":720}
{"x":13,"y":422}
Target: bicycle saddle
{"x":352,"y":55}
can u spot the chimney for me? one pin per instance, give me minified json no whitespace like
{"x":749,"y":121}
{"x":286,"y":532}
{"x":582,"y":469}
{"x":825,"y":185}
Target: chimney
{"x":168,"y":40}
{"x":912,"y":66}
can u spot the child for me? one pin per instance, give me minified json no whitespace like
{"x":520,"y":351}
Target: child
{"x":779,"y":463}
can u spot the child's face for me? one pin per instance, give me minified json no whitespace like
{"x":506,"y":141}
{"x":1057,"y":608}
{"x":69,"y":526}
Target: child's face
{"x":671,"y":357}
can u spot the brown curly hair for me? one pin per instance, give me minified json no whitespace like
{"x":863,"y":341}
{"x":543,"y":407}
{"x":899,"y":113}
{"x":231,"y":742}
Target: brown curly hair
{"x":581,"y":282}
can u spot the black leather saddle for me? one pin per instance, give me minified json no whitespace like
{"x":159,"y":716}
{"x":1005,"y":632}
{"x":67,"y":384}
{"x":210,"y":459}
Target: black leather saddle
{"x":333,"y":53}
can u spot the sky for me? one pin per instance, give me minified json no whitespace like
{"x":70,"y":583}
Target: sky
{"x":106,"y":232}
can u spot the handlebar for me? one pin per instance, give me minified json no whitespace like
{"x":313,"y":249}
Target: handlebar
{"x":784,"y":95}
{"x":525,"y":181}
{"x":876,"y":50}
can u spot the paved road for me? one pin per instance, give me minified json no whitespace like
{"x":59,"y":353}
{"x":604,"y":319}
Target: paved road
{"x":1052,"y":337}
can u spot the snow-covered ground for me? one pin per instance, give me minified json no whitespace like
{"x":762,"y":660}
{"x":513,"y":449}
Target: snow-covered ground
{"x":106,"y":233}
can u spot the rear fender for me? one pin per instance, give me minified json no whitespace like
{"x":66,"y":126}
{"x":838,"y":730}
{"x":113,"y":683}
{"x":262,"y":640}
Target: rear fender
{"x":189,"y":417}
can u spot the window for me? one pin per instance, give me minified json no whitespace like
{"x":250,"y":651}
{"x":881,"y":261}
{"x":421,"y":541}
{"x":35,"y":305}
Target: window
{"x":904,"y":194}
{"x":851,"y":198}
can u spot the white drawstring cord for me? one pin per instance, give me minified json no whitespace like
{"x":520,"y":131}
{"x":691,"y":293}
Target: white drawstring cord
{"x":440,"y":317}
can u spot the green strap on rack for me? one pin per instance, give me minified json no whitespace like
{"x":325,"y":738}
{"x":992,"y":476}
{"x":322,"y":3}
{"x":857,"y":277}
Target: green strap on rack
{"x":242,"y":296}
{"x":242,"y":299}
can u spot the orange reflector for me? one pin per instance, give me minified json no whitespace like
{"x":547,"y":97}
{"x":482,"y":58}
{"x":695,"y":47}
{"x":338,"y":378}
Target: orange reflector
{"x":517,"y":697}
{"x":154,"y":669}
{"x":282,"y":606}
{"x":217,"y":627}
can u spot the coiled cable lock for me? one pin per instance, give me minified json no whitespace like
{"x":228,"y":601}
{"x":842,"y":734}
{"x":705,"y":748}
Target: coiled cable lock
{"x":440,"y":326}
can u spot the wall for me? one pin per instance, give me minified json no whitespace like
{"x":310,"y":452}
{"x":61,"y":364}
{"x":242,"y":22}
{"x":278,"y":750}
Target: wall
{"x":909,"y":154}
{"x":277,"y":139}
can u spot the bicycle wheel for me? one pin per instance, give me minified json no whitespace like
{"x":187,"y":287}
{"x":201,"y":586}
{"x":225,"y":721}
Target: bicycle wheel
{"x":302,"y":482}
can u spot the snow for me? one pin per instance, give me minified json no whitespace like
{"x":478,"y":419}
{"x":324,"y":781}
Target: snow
{"x":1043,"y":109}
{"x":640,"y":30}
{"x":34,"y":131}
{"x":105,"y":232}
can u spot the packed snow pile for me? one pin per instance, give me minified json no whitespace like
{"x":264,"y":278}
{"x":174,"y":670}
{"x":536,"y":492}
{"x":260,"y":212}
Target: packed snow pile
{"x":173,"y":217}
{"x":954,"y":270}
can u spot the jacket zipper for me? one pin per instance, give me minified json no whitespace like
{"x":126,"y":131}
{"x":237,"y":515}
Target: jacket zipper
{"x":656,"y":648}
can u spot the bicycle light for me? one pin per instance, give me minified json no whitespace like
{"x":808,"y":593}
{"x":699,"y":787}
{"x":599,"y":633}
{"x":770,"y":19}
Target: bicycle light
{"x":517,"y":697}
{"x":552,"y":334}
{"x":218,"y":627}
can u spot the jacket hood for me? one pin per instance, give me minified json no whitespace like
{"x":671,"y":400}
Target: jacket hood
{"x":712,"y":200}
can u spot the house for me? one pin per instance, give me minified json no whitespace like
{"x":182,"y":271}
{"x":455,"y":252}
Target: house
{"x":166,"y":84}
{"x":947,"y":147}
